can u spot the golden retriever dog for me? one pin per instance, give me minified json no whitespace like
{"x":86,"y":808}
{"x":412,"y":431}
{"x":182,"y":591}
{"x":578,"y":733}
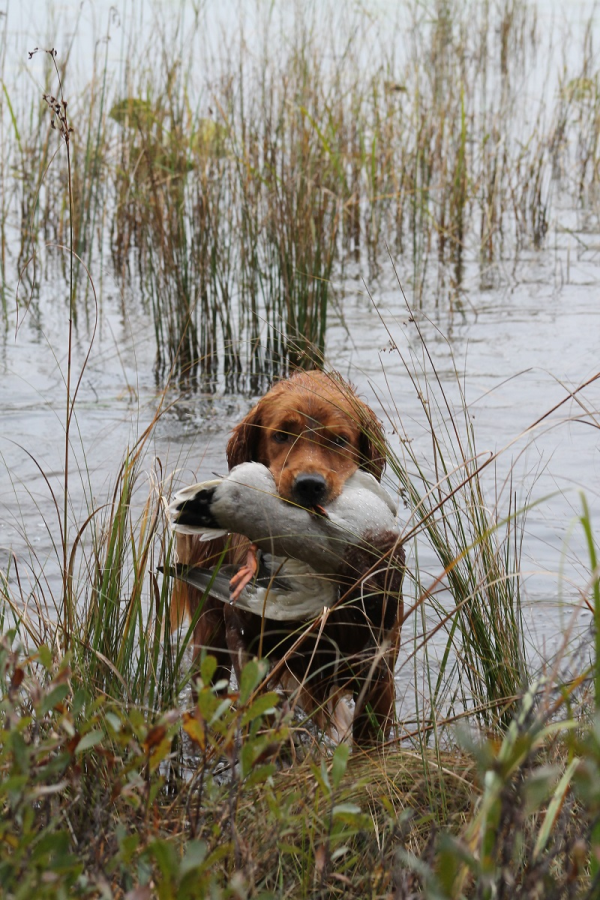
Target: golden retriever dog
{"x":312,"y":432}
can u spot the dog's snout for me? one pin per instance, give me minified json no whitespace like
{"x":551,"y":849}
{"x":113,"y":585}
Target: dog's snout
{"x":310,"y":489}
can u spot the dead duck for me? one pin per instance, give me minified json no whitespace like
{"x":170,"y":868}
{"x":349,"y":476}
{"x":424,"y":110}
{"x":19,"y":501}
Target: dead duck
{"x":246,"y":502}
{"x":300,"y":558}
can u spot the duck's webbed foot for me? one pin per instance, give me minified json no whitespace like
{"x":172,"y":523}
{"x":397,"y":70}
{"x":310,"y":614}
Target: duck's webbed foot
{"x":245,"y":574}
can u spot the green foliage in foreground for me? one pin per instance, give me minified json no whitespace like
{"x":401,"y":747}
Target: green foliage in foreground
{"x":95,"y":802}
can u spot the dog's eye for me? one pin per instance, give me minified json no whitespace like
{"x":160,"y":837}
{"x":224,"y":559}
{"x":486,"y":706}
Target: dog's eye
{"x":280,"y":437}
{"x":340,"y":440}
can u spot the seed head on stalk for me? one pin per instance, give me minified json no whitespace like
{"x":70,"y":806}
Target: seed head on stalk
{"x":60,"y":122}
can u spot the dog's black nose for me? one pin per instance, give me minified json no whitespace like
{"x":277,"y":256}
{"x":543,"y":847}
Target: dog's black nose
{"x":310,"y":489}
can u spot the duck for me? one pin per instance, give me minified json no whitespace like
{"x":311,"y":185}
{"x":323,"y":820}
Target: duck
{"x":299,"y":559}
{"x":246,"y":502}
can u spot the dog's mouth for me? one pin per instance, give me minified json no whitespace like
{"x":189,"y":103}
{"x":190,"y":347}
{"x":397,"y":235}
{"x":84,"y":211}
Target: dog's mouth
{"x":311,"y":490}
{"x":315,"y":509}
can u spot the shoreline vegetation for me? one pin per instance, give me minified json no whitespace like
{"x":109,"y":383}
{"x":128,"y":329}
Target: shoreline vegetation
{"x":236,"y":209}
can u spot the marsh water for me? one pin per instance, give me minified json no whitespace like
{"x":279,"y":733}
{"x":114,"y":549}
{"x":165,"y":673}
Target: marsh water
{"x":516,"y":344}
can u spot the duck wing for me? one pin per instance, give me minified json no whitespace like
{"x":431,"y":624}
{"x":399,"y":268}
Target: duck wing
{"x":283,"y":590}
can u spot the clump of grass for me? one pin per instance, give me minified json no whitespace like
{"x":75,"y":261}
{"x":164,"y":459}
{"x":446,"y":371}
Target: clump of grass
{"x":93,"y":798}
{"x":106,"y":729}
{"x":473,"y":604}
{"x":114,"y":735}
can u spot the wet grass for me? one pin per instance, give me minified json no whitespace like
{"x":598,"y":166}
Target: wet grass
{"x":236,"y":196}
{"x":102,"y":795}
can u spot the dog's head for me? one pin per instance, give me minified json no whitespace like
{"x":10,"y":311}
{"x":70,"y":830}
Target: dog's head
{"x":312,"y":432}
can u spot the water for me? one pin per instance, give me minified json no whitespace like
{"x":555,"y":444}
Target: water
{"x":516,"y":351}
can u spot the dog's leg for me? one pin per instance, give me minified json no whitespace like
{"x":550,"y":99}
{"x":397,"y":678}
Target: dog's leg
{"x":340,"y":716}
{"x":210,"y":636}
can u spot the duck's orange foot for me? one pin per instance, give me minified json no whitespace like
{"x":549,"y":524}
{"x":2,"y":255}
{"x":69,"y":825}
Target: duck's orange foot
{"x":244,"y":575}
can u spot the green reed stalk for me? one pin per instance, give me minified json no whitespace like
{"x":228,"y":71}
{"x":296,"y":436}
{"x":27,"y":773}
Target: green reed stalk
{"x":60,"y":121}
{"x":586,"y":522}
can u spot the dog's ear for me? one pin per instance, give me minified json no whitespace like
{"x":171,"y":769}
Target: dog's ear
{"x":243,"y":444}
{"x":372,"y":446}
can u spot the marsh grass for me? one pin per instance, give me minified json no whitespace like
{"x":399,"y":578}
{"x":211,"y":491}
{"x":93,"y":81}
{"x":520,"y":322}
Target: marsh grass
{"x":108,"y":784}
{"x":110,"y":779}
{"x":95,"y":805}
{"x":476,"y":597}
{"x":236,"y":195}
